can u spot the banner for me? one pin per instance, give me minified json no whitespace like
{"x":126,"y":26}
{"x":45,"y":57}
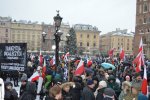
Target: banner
{"x":13,"y":56}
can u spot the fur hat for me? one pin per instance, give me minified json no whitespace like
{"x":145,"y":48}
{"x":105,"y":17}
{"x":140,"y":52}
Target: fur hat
{"x":103,"y":83}
{"x":126,"y":83}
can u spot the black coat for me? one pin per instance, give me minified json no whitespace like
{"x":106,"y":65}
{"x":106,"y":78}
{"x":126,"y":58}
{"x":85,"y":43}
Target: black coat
{"x":11,"y":95}
{"x":100,"y":94}
{"x":27,"y":96}
{"x":76,"y":92}
{"x":88,"y":94}
{"x":67,"y":95}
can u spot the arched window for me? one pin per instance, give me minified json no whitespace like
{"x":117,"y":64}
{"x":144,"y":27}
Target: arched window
{"x":145,"y":9}
{"x":87,"y":43}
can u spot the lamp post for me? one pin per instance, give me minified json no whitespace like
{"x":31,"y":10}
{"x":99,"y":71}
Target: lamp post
{"x":57,"y":34}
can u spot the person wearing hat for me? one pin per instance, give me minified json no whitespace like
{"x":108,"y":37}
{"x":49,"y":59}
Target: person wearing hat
{"x":113,"y":84}
{"x":109,"y":94}
{"x":135,"y":93}
{"x":100,"y":90}
{"x":10,"y":93}
{"x":27,"y":88}
{"x":88,"y":91}
{"x":126,"y":89}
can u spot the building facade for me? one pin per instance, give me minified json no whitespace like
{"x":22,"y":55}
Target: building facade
{"x":142,"y":29}
{"x":5,"y":23}
{"x":117,"y":39}
{"x":87,"y":38}
{"x":27,"y":32}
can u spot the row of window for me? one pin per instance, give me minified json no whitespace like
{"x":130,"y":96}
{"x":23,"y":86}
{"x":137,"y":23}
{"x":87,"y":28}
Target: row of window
{"x":81,"y":36}
{"x":87,"y":44}
{"x":121,"y":39}
{"x":145,"y":8}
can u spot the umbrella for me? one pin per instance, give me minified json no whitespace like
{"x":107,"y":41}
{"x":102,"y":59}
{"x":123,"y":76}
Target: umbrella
{"x":107,"y":66}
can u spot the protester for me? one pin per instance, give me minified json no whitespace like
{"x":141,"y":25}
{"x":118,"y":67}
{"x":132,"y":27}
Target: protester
{"x":126,"y":89}
{"x":109,"y":94}
{"x":10,"y":93}
{"x":27,"y":89}
{"x":55,"y":93}
{"x":112,"y":84}
{"x":66,"y":90}
{"x":100,"y":90}
{"x":88,"y":91}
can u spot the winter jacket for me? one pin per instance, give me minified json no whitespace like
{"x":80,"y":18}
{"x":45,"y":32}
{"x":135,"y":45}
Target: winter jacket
{"x":113,"y":85}
{"x":76,"y":91}
{"x":11,"y":95}
{"x":30,"y":87}
{"x":87,"y":94}
{"x":66,"y":96}
{"x":27,"y":96}
{"x":142,"y":97}
{"x":100,"y":94}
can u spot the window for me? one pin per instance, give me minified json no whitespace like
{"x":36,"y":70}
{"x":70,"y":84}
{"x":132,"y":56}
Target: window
{"x":87,"y":43}
{"x":118,"y":43}
{"x":94,"y":36}
{"x":94,"y":44}
{"x":80,"y":43}
{"x":144,"y":21}
{"x":140,"y":8}
{"x":118,"y":48}
{"x":88,"y":36}
{"x":6,"y":30}
{"x":128,"y":40}
{"x":6,"y":35}
{"x":145,"y":9}
{"x":127,"y":48}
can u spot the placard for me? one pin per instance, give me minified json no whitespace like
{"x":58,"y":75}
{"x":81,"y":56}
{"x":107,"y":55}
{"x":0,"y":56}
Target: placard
{"x":13,"y":56}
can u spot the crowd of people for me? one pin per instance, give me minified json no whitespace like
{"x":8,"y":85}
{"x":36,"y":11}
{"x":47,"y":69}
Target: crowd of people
{"x":95,"y":83}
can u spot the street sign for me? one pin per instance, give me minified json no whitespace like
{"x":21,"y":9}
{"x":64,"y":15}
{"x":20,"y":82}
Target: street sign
{"x":13,"y":56}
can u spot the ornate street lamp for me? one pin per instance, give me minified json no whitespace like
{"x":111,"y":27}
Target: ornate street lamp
{"x":57,"y":34}
{"x":44,"y":35}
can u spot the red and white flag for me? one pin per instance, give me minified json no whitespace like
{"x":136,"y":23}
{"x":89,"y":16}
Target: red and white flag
{"x":122,"y":54}
{"x":80,"y":68}
{"x":41,"y":59}
{"x":139,"y":60}
{"x":44,"y":67}
{"x":111,"y":52}
{"x":66,"y":57}
{"x":34,"y":77}
{"x":144,"y":87}
{"x":53,"y":61}
{"x":89,"y":63}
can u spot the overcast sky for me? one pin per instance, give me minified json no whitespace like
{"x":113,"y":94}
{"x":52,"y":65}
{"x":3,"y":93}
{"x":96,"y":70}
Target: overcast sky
{"x":107,"y":15}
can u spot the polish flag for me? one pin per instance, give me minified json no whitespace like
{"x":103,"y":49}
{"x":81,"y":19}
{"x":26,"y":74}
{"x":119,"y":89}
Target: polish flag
{"x":139,"y":60}
{"x":141,"y":50}
{"x":110,"y":53}
{"x":122,"y":54}
{"x":34,"y":77}
{"x":53,"y":61}
{"x":144,"y":88}
{"x":41,"y":59}
{"x":89,"y":63}
{"x":80,"y":68}
{"x":44,"y":69}
{"x":66,"y":57}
